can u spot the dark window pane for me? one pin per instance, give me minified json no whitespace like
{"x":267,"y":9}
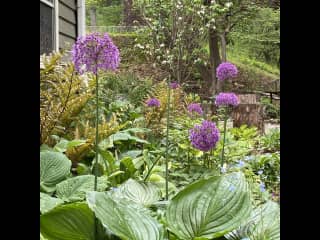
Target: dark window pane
{"x":46,"y":28}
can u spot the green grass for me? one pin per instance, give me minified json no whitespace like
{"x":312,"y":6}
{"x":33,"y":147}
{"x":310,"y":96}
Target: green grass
{"x":235,"y":57}
{"x":251,"y":64}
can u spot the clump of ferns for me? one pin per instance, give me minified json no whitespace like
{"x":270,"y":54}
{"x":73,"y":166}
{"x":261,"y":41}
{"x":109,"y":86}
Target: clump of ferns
{"x":63,"y":94}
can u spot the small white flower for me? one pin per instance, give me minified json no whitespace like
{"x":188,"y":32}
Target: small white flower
{"x":228,"y":4}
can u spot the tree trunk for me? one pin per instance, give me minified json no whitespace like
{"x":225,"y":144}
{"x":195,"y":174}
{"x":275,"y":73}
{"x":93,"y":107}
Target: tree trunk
{"x":223,"y":47}
{"x":215,"y":60}
{"x":93,"y":16}
{"x":127,"y":13}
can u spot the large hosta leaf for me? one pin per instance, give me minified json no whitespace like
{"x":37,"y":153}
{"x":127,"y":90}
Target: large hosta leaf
{"x":74,"y":221}
{"x":74,"y":189}
{"x":264,"y":223}
{"x":47,"y":202}
{"x":125,"y":220}
{"x":139,"y":192}
{"x":54,"y":167}
{"x":209,"y":208}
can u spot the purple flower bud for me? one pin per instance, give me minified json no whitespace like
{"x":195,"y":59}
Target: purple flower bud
{"x":195,"y":107}
{"x":153,"y":102}
{"x":174,"y":85}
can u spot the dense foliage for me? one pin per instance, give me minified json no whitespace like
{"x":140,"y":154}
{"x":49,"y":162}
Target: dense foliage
{"x":125,"y":157}
{"x":131,"y":172}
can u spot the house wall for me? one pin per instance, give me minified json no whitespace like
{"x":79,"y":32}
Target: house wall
{"x":67,"y":23}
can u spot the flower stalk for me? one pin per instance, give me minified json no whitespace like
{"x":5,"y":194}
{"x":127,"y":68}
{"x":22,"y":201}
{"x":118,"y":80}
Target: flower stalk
{"x":167,"y":140}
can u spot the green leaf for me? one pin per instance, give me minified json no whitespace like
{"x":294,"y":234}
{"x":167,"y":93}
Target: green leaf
{"x":127,"y":221}
{"x":83,"y":169}
{"x":75,"y":143}
{"x":127,"y":166}
{"x":106,"y":143}
{"x":209,"y":208}
{"x":264,"y":223}
{"x":61,"y":146}
{"x":108,"y":159}
{"x":47,"y":202}
{"x":137,"y":130}
{"x":132,"y":153}
{"x":54,"y":167}
{"x":74,"y":189}
{"x":139,"y":192}
{"x":116,"y":173}
{"x":73,"y":221}
{"x":160,"y":182}
{"x":125,"y":136}
{"x":45,"y":147}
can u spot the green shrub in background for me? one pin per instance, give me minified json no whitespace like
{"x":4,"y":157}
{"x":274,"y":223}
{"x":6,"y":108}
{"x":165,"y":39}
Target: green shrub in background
{"x":271,"y":110}
{"x":107,"y":15}
{"x":258,"y":37}
{"x":125,"y":86}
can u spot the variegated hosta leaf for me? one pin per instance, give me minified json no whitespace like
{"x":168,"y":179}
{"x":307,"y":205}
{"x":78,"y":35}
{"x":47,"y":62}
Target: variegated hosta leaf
{"x":54,"y":167}
{"x":139,"y":192}
{"x":74,"y":189}
{"x":73,"y":221}
{"x":264,"y":223}
{"x":127,"y":221}
{"x":47,"y":202}
{"x":209,"y":208}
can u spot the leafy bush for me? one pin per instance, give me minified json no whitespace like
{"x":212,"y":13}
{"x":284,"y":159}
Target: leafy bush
{"x":258,"y":37}
{"x":125,"y":86}
{"x":271,"y":142}
{"x":271,"y":110}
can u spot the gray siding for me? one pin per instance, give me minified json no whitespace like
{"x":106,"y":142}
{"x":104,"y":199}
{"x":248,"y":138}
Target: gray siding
{"x":67,"y":23}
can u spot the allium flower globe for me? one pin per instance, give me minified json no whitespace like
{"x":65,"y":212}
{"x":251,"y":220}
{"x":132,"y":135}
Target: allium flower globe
{"x":153,"y":102}
{"x":227,"y":100}
{"x":93,"y":52}
{"x":195,"y":107}
{"x":205,"y":136}
{"x":226,"y":70}
{"x":174,"y":85}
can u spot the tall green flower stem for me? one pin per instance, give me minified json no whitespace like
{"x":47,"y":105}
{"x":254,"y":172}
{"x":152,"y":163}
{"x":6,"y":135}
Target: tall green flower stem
{"x":167,"y":139}
{"x":224,"y":135}
{"x":97,"y":135}
{"x":95,"y":166}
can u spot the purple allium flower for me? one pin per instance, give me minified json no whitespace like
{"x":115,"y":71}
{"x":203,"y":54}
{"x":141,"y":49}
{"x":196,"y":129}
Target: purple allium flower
{"x":153,"y":102}
{"x":205,"y":136}
{"x":93,"y":52}
{"x":260,"y":172}
{"x":226,"y":70}
{"x":262,"y":187}
{"x":227,"y":99}
{"x":174,"y":85}
{"x":195,"y":107}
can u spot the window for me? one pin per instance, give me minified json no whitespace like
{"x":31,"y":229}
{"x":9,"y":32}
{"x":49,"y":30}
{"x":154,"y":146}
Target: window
{"x":47,"y":26}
